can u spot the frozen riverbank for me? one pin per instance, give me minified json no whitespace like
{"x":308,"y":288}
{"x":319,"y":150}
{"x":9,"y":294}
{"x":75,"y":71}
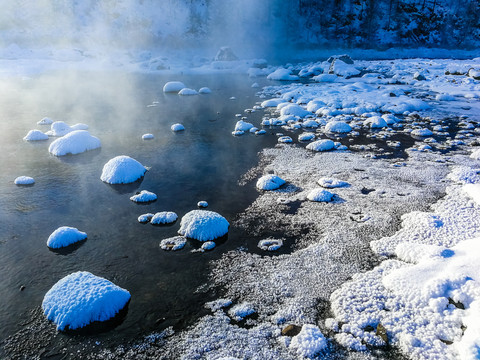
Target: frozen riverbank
{"x":388,"y":170}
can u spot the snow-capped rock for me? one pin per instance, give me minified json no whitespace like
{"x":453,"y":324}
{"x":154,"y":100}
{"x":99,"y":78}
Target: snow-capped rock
{"x":73,"y":143}
{"x":321,"y":145}
{"x":269,"y":182}
{"x":173,"y":87}
{"x":122,"y":170}
{"x":163,"y":218}
{"x":24,"y":180}
{"x":35,"y":135}
{"x":144,"y":196}
{"x":65,"y":236}
{"x":82,"y":298}
{"x":203,"y":225}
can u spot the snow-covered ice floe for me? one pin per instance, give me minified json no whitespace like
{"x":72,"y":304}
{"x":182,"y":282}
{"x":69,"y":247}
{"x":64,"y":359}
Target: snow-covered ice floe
{"x":202,"y":204}
{"x":331,"y":183}
{"x":320,"y":195}
{"x":309,"y":342}
{"x":203,"y":225}
{"x":122,"y":170}
{"x":145,"y":218}
{"x":187,"y":92}
{"x":45,"y":121}
{"x":65,"y":236}
{"x":24,"y":180}
{"x":73,"y":143}
{"x":82,"y":298}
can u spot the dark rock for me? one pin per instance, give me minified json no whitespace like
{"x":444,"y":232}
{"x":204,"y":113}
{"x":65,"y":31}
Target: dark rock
{"x":291,"y":330}
{"x":458,"y":305}
{"x":419,"y":76}
{"x":225,"y":54}
{"x":260,"y":63}
{"x":474,"y":73}
{"x":345,"y":58}
{"x":382,"y":333}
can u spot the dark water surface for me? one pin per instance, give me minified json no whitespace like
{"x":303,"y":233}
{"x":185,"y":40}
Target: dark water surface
{"x":204,"y":162}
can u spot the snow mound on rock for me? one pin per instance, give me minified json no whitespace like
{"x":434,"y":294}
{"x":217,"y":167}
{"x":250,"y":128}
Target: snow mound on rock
{"x":270,"y":244}
{"x":202,"y":204}
{"x":60,"y":128}
{"x":173,"y":87}
{"x":375,"y":122}
{"x":269,"y":182}
{"x":75,"y":142}
{"x":65,"y":236}
{"x":422,"y":132}
{"x":320,"y":195}
{"x":45,"y":121}
{"x":309,"y":342}
{"x":147,"y":137}
{"x":331,"y":183}
{"x":122,"y":170}
{"x":204,"y":90}
{"x":338,"y":127}
{"x":187,"y":92}
{"x":241,"y":311}
{"x":243,"y":126}
{"x":163,"y":218}
{"x":282,"y":74}
{"x":308,"y":136}
{"x":208,"y":245}
{"x":144,"y":196}
{"x":35,"y":135}
{"x":82,"y":298}
{"x":203,"y":225}
{"x":144,"y":218}
{"x":173,"y":243}
{"x":321,"y":145}
{"x":177,"y":127}
{"x":24,"y":180}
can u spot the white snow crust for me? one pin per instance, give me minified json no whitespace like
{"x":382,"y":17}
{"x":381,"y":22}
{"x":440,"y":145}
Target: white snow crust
{"x":82,"y":298}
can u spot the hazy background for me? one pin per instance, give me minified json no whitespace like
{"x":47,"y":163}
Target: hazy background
{"x":248,"y":26}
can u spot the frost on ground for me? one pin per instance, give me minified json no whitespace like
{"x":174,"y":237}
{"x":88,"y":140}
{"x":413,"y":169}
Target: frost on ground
{"x":82,"y":298}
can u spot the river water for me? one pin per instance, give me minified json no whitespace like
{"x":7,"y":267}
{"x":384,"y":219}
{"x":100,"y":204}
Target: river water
{"x":204,"y":162}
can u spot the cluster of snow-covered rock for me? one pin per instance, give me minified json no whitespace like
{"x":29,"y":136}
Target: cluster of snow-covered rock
{"x":374,"y":266}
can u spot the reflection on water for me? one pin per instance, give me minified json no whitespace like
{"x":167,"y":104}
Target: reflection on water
{"x":202,"y":163}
